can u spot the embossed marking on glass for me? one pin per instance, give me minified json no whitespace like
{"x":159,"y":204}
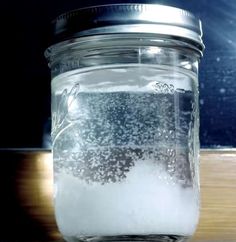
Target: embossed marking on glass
{"x":125,"y":123}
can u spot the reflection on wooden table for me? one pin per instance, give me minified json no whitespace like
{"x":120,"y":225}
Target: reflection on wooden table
{"x":27,"y":207}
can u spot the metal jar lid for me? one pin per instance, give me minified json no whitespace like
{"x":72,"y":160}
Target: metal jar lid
{"x":129,"y":18}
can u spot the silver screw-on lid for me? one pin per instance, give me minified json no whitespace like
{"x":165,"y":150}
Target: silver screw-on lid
{"x":129,"y":18}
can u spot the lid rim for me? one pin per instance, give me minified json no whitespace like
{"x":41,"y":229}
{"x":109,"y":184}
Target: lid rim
{"x":124,"y":18}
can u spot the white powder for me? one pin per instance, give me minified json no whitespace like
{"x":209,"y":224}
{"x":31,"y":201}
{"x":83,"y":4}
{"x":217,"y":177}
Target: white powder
{"x":146,"y":202}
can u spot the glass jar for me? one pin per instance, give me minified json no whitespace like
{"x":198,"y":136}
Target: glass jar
{"x":125,"y":123}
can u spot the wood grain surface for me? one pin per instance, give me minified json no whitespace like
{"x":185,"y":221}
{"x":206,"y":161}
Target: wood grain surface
{"x":26,"y":205}
{"x":218,"y":196}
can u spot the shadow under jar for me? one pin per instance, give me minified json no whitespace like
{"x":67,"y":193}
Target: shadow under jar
{"x":125,"y":123}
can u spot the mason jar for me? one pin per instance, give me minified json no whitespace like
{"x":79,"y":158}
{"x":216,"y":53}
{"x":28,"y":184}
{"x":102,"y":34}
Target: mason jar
{"x":125,"y":122}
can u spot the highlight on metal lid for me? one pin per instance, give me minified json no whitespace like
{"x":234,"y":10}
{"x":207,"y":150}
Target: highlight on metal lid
{"x":129,"y":18}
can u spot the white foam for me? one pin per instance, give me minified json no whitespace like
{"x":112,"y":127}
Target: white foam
{"x":146,"y":202}
{"x":129,"y":78}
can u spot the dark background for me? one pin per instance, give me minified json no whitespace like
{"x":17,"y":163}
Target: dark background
{"x":25,"y":77}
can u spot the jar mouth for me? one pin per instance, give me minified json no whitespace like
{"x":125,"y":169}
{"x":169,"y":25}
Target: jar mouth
{"x":122,"y":49}
{"x":154,"y":19}
{"x":95,"y":41}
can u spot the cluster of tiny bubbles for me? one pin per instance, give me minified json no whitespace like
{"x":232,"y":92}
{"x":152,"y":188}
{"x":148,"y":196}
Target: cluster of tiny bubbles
{"x":162,"y":87}
{"x":111,"y":131}
{"x":191,"y":144}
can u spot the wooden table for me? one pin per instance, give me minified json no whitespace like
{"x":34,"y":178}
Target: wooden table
{"x":27,"y":210}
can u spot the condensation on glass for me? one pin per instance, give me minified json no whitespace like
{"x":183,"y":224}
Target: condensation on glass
{"x":125,"y":123}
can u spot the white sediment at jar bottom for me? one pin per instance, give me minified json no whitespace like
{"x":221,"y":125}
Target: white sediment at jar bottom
{"x":146,"y":202}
